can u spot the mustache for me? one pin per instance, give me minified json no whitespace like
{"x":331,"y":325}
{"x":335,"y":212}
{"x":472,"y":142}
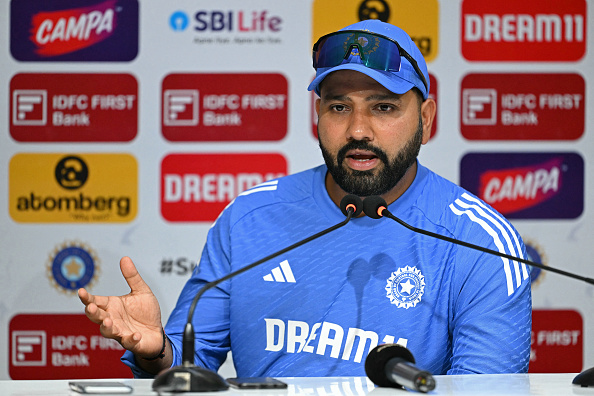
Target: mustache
{"x":360,"y":145}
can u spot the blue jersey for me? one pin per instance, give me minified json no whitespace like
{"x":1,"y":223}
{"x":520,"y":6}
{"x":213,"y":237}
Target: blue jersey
{"x":319,"y":309}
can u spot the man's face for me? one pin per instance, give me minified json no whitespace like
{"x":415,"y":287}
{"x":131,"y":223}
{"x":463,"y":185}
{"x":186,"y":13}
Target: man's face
{"x":369,"y":136}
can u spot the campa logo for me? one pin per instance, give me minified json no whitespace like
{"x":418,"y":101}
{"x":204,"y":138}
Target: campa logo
{"x":527,"y":185}
{"x":57,"y":33}
{"x":83,"y":188}
{"x":529,"y":30}
{"x":61,"y":31}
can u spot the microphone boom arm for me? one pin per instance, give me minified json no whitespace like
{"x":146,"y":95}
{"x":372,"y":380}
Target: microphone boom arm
{"x":187,"y":352}
{"x":485,"y":250}
{"x":188,"y":377}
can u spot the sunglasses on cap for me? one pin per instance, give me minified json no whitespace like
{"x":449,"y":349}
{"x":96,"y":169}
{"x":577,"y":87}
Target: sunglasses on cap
{"x":375,"y":51}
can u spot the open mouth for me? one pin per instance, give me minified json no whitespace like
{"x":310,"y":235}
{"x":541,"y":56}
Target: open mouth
{"x":361,"y":159}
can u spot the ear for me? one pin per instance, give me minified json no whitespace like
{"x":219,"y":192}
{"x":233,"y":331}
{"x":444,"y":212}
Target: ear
{"x":318,"y":106}
{"x":428,"y":109}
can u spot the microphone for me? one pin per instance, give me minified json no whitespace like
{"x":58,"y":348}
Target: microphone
{"x":376,"y":207}
{"x":392,"y":365}
{"x":190,"y":378}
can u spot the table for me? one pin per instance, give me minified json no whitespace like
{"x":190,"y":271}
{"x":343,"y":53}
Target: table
{"x":485,"y":384}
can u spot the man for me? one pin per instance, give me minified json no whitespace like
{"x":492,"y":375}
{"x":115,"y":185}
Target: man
{"x":373,"y":281}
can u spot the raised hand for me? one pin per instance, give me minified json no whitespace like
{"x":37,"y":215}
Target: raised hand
{"x":134,"y":319}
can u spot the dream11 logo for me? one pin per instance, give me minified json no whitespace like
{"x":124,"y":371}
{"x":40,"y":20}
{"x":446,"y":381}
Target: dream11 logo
{"x":528,"y":30}
{"x":197,"y":187}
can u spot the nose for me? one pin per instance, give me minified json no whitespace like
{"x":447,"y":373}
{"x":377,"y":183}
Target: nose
{"x":360,"y":127}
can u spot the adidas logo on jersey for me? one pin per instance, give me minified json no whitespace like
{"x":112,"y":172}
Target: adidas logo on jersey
{"x":282,"y":273}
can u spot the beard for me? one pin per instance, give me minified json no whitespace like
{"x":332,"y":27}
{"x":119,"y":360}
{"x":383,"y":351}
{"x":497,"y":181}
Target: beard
{"x":379,"y":180}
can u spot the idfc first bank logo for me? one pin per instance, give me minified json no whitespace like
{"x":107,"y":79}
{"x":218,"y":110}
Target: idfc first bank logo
{"x":71,"y":30}
{"x":61,"y":346}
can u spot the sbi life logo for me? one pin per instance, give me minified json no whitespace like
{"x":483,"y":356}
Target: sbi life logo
{"x":179,"y":21}
{"x":228,"y":21}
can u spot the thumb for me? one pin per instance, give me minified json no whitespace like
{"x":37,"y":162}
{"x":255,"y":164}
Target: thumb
{"x":133,"y":278}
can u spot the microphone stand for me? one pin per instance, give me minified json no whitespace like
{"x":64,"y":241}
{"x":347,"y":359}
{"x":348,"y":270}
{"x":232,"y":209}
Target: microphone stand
{"x":190,"y":378}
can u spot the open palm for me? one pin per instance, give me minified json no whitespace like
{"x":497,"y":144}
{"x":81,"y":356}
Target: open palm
{"x":134,"y":319}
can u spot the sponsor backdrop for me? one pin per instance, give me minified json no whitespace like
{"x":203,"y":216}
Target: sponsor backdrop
{"x":126,"y":126}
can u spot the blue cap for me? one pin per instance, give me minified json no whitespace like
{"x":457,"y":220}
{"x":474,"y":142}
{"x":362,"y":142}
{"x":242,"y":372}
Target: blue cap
{"x":398,"y":82}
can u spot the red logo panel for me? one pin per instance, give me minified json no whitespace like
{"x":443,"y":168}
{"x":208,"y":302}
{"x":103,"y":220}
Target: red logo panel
{"x":557,"y":342}
{"x":224,"y":107}
{"x":197,"y":187}
{"x":522,"y":106}
{"x":73,"y":107}
{"x":64,"y":346}
{"x":527,"y":30}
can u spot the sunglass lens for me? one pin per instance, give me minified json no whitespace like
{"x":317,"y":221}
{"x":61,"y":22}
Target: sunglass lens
{"x":375,"y":52}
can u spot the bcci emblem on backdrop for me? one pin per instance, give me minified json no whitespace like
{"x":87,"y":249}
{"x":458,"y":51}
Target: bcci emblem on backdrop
{"x":72,"y":266}
{"x":405,"y":287}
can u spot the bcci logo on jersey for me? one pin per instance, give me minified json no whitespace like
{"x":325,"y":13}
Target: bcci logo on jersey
{"x":405,"y":287}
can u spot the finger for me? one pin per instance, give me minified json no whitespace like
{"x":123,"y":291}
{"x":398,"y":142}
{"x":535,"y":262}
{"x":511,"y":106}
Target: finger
{"x":109,"y":330}
{"x":87,"y":298}
{"x":84,"y":296}
{"x":130,"y":341}
{"x":95,"y":314}
{"x":133,"y":278}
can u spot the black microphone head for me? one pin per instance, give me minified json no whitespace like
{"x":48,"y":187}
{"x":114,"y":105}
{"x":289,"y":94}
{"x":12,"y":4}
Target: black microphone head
{"x":376,"y":361}
{"x":351,"y":202}
{"x":372,"y":206}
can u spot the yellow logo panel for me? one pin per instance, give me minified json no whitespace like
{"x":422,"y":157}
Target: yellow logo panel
{"x":73,"y":188}
{"x":419,"y":18}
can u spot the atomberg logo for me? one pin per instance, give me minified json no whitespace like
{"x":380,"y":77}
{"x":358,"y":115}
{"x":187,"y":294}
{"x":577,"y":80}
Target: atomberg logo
{"x":527,"y":185}
{"x":62,"y":31}
{"x":82,"y":188}
{"x":197,"y":187}
{"x":528,"y":30}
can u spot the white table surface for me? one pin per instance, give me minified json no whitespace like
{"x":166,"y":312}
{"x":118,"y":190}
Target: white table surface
{"x":501,"y":384}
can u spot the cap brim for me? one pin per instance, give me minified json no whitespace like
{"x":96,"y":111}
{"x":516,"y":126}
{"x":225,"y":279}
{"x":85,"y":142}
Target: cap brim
{"x":389,"y":80}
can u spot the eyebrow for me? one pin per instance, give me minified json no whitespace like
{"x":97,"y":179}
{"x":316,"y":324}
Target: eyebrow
{"x":346,"y":98}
